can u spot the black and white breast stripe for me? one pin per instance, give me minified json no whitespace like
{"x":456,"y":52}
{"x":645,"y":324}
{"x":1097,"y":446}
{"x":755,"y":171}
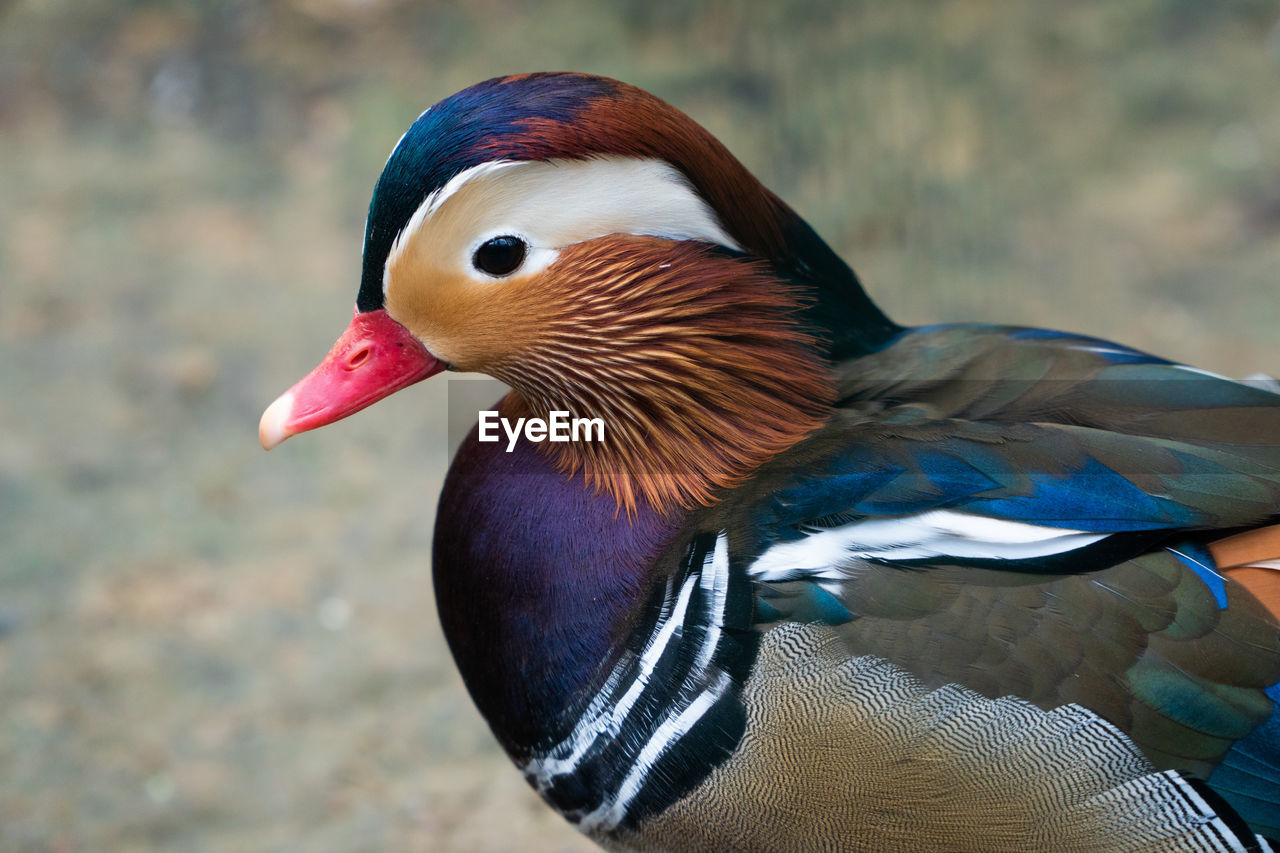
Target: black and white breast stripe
{"x":669,"y":710}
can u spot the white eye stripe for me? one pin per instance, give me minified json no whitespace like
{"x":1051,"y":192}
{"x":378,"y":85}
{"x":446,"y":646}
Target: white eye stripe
{"x":556,"y":203}
{"x":433,"y":202}
{"x":437,"y":199}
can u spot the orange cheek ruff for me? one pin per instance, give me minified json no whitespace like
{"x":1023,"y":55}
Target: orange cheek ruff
{"x":693,"y":359}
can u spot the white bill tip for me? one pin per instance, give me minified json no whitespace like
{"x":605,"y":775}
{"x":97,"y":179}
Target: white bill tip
{"x":272,"y":429}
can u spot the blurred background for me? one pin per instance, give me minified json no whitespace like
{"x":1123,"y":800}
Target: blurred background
{"x":203,"y":647}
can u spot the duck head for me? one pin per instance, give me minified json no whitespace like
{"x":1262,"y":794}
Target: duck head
{"x":601,"y":253}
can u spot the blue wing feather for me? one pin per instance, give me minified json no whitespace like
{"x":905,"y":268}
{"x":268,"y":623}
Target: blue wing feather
{"x":1101,"y":438}
{"x":1249,"y":776}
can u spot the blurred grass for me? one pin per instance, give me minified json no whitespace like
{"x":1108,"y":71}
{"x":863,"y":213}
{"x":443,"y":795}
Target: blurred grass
{"x":206,"y":648}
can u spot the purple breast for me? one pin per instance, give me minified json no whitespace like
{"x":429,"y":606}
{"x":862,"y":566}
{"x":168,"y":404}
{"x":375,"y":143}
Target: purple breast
{"x":537,"y":579}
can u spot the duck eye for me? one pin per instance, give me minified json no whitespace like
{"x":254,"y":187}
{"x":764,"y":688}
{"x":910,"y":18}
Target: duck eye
{"x":500,"y":255}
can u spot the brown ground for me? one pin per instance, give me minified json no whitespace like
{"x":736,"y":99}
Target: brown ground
{"x":203,"y":647}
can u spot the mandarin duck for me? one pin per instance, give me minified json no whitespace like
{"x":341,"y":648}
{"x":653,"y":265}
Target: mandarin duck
{"x":827,"y":582}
